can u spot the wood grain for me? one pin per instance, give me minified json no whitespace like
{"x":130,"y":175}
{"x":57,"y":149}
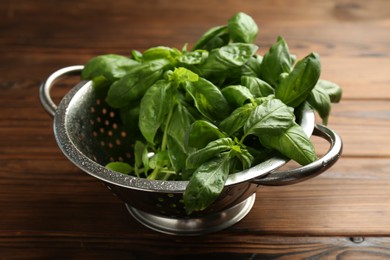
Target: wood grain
{"x":50,"y":209}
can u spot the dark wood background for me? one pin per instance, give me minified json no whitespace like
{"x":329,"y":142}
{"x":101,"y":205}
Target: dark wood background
{"x":50,"y":209}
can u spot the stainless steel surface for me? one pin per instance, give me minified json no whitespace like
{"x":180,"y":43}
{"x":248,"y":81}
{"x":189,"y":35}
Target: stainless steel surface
{"x":90,"y":134}
{"x":44,"y":90}
{"x":198,"y":225}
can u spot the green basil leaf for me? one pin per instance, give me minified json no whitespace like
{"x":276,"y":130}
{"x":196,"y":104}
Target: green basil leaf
{"x":180,"y":124}
{"x":182,"y":75}
{"x":293,"y":143}
{"x":121,"y":167}
{"x":139,"y":149}
{"x":154,"y":108}
{"x":252,"y":67}
{"x":129,"y":116}
{"x":177,"y":154}
{"x":201,"y":133}
{"x":295,"y":88}
{"x":256,"y":86}
{"x":212,"y":149}
{"x":208,"y":99}
{"x":236,"y":54}
{"x":242,"y":28}
{"x":236,"y":95}
{"x":320,"y":101}
{"x":332,"y":89}
{"x":109,"y":66}
{"x":159,"y":159}
{"x":206,"y":184}
{"x":194,"y":57}
{"x":212,"y":39}
{"x":137,"y":55}
{"x":243,"y":155}
{"x":161,"y":52}
{"x":228,"y":57}
{"x":237,"y":119}
{"x":145,"y":159}
{"x":269,"y":117}
{"x":133,"y":86}
{"x":276,"y":61}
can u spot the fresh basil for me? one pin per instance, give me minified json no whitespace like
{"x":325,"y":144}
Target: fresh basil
{"x":202,"y":132}
{"x":256,"y":86}
{"x":206,"y":184}
{"x":208,"y":99}
{"x":220,"y":108}
{"x":237,"y":119}
{"x":270,"y":117}
{"x":242,"y":28}
{"x":276,"y":61}
{"x":214,"y":38}
{"x":154,"y":109}
{"x":109,"y":67}
{"x":293,"y":143}
{"x":237,"y":95}
{"x":297,"y":85}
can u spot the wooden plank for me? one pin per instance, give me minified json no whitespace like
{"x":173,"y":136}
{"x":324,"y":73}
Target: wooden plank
{"x":350,"y":199}
{"x":163,"y":247}
{"x":344,"y":58}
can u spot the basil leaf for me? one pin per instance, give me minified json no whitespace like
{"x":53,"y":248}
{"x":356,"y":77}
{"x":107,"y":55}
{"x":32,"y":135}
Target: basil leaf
{"x":237,"y":95}
{"x":194,"y":57}
{"x":276,"y":61}
{"x":182,"y":75}
{"x":159,"y":159}
{"x":269,"y":117}
{"x":136,"y":55}
{"x":256,"y":86}
{"x":320,"y":101}
{"x":154,"y":107}
{"x":252,"y":67}
{"x":139,"y":149}
{"x":208,"y":99}
{"x":213,"y":38}
{"x":179,"y":125}
{"x":109,"y":66}
{"x":176,"y":153}
{"x":242,"y":28}
{"x":121,"y":167}
{"x":236,"y":54}
{"x":228,"y":57}
{"x":295,"y":88}
{"x":240,"y":152}
{"x":201,"y":133}
{"x":212,"y":149}
{"x":292,"y":143}
{"x":333,"y":90}
{"x":237,"y":119}
{"x":134,"y":85}
{"x":206,"y":183}
{"x":129,"y":116}
{"x":161,"y":52}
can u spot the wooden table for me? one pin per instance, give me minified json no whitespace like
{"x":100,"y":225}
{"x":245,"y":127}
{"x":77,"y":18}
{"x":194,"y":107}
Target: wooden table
{"x":50,"y":209}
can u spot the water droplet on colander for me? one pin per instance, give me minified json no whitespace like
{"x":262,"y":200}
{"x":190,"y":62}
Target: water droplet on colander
{"x":324,"y":163}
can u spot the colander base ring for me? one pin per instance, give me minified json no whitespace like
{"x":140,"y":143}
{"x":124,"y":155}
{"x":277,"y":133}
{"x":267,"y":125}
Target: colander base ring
{"x":194,"y":226}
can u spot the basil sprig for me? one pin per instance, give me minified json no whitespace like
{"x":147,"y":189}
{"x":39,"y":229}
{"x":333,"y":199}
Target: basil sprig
{"x":203,"y":114}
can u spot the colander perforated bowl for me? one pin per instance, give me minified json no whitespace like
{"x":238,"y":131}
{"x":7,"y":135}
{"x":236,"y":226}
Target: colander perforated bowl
{"x":90,"y":134}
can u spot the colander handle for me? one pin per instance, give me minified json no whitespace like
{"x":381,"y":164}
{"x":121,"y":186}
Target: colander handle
{"x":44,"y":90}
{"x":311,"y":170}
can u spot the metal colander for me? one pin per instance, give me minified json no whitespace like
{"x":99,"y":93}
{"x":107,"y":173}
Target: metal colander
{"x":90,"y":134}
